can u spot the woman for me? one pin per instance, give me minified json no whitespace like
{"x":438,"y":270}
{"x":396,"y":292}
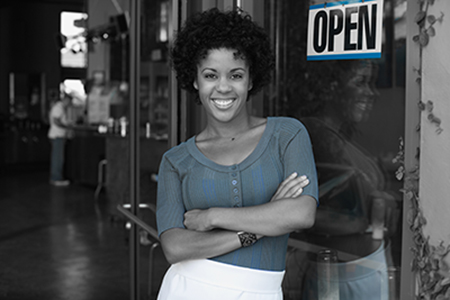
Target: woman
{"x":229,"y":197}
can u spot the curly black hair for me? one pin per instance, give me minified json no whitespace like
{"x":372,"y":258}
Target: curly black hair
{"x":214,"y":29}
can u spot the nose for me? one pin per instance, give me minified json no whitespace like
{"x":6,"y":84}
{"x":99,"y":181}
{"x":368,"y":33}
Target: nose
{"x":367,"y":89}
{"x":223,"y":85}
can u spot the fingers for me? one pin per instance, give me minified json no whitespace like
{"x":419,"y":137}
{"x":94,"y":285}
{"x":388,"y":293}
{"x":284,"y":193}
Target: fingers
{"x":292,"y":186}
{"x":295,"y":187}
{"x":291,"y":182}
{"x":297,"y":193}
{"x":281,"y":191}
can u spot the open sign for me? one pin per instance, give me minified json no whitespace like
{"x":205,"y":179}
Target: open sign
{"x":349,"y":29}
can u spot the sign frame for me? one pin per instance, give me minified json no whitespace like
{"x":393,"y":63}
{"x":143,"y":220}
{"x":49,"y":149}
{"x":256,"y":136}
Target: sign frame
{"x":345,"y":30}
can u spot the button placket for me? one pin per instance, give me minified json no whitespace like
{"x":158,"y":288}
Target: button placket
{"x":235,"y":187}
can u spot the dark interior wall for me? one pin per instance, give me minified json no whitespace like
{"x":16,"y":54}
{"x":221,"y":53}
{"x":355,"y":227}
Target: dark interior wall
{"x":28,"y":42}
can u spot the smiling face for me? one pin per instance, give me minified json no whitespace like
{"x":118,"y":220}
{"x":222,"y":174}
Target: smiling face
{"x":360,"y":92}
{"x":223,"y":81}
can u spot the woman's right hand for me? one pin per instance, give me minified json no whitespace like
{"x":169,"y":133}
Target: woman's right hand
{"x":291,"y":187}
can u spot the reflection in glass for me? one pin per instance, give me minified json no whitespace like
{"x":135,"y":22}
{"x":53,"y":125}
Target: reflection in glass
{"x":328,"y":274}
{"x":353,"y":110}
{"x":350,"y":178}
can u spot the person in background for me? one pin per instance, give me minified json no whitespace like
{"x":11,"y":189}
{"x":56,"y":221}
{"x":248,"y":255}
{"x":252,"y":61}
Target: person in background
{"x":58,"y":133}
{"x":229,"y":196}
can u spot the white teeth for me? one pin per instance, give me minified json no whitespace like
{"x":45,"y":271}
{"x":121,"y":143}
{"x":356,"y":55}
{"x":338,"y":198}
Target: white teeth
{"x":223,"y":102}
{"x":361,"y":105}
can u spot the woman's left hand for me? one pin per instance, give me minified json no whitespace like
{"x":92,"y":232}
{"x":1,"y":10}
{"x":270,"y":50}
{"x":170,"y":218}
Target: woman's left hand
{"x":197,"y":219}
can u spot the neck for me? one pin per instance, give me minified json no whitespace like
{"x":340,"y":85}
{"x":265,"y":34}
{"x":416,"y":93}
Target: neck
{"x":230,"y":130}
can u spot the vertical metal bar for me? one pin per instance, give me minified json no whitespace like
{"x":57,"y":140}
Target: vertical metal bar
{"x":282,"y":43}
{"x":412,"y":140}
{"x":134,"y":144}
{"x":270,"y":23}
{"x":173,"y":89}
{"x":278,"y":62}
{"x":184,"y":111}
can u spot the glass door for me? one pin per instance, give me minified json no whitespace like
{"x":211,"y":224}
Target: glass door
{"x":354,"y":111}
{"x":128,"y":100}
{"x":153,"y":114}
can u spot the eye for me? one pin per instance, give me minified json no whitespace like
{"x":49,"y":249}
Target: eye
{"x":237,"y":76}
{"x":359,"y":81}
{"x":209,"y":76}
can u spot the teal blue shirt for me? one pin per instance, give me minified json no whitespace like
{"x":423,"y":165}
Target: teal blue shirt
{"x":189,"y":180}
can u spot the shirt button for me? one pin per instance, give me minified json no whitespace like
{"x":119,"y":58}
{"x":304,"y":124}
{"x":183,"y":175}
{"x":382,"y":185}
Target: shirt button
{"x":233,"y":168}
{"x":236,"y":205}
{"x":235,"y":191}
{"x":234,"y":182}
{"x":236,"y":198}
{"x":233,"y":174}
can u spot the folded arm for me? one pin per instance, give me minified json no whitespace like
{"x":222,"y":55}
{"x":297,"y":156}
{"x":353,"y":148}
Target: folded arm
{"x":181,"y":244}
{"x":270,"y":219}
{"x":212,"y":232}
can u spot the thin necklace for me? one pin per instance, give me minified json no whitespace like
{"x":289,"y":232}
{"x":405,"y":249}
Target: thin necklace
{"x":234,"y":137}
{"x":239,"y":133}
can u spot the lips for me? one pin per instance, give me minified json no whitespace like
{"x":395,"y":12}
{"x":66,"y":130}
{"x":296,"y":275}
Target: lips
{"x":223,"y":103}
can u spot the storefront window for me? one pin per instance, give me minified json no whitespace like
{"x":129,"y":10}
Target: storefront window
{"x":354,"y":113}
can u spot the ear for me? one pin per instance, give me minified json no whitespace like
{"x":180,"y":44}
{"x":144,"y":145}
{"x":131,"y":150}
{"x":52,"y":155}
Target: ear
{"x":195,"y":84}
{"x":250,"y":85}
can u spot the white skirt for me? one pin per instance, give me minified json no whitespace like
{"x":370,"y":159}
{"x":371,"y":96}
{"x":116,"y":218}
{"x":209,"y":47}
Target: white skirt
{"x":207,"y":279}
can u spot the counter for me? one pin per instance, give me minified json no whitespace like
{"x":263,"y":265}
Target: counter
{"x":85,"y":149}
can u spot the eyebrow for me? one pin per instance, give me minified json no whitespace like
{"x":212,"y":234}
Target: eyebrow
{"x":231,"y":71}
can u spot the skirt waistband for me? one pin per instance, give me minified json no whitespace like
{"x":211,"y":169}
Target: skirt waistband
{"x":234,"y":277}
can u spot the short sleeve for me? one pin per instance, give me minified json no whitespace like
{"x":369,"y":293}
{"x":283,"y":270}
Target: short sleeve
{"x":299,"y":158}
{"x":169,"y":208}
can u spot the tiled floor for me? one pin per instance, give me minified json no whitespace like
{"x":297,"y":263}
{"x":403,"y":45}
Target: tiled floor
{"x":60,"y":243}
